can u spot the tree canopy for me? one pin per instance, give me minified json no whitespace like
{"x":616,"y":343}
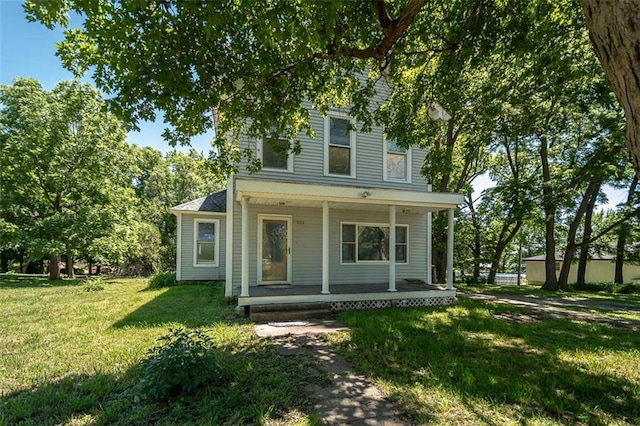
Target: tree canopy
{"x":62,"y":185}
{"x":249,"y":67}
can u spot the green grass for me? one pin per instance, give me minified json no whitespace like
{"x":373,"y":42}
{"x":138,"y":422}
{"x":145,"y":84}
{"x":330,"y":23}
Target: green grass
{"x":486,"y":363}
{"x":72,"y":356}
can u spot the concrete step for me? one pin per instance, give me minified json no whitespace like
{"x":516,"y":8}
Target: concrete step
{"x":270,"y":316}
{"x":289,"y":307}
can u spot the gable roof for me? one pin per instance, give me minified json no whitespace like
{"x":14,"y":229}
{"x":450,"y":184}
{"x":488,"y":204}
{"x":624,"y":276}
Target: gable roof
{"x":215,"y":202}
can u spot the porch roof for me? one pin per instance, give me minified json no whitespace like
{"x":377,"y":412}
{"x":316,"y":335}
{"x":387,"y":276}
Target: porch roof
{"x":268,"y":192}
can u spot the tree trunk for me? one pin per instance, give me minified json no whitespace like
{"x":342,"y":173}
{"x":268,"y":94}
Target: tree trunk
{"x":614,"y":31}
{"x":570,"y":250}
{"x":503,"y":241}
{"x":622,"y":235}
{"x":476,"y":248}
{"x":4,"y":261}
{"x":622,"y":242}
{"x":54,"y":267}
{"x":70,"y":273}
{"x":586,"y":238}
{"x":439,"y":247}
{"x":549,"y":205}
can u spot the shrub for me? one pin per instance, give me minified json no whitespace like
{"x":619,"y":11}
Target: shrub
{"x":630,"y":288}
{"x":183,"y":363}
{"x":162,"y":279}
{"x":95,"y":284}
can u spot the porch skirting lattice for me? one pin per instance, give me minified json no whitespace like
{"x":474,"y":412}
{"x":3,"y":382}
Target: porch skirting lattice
{"x":400,"y":303}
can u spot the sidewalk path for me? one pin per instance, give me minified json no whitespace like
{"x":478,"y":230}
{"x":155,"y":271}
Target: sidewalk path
{"x":562,"y":307}
{"x":351,"y":399}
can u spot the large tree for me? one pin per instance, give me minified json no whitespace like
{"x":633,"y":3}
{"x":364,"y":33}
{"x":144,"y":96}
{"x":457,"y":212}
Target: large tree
{"x":236,"y":61}
{"x":62,"y":156}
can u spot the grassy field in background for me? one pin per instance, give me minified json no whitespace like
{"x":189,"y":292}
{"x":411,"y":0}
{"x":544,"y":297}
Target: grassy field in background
{"x":71,"y":356}
{"x":487,"y":363}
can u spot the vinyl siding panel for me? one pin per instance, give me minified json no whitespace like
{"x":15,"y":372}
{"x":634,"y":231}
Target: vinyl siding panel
{"x":306,"y":254}
{"x":188,"y":271}
{"x":308,"y":166}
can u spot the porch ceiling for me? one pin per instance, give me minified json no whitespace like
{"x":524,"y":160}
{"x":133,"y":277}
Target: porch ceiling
{"x":352,"y":198}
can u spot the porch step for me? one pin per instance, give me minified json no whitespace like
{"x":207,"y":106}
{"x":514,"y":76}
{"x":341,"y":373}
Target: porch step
{"x":289,"y":312}
{"x":277,"y":307}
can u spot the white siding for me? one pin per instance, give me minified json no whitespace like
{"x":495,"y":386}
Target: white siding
{"x":209,"y":273}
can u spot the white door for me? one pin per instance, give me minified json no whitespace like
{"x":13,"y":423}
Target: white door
{"x":274,"y":249}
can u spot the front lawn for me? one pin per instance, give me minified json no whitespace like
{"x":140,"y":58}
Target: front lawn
{"x":72,"y":356}
{"x":486,"y":363}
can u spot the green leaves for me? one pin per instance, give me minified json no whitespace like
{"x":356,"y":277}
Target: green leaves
{"x":62,"y":167}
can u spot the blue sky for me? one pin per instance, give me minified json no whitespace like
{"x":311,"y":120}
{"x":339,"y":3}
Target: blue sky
{"x":27,"y":49}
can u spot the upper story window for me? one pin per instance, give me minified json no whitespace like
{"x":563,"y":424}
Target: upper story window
{"x":397,"y":162}
{"x":340,"y":146}
{"x":370,"y":243}
{"x":275,"y":155}
{"x":205,"y":248}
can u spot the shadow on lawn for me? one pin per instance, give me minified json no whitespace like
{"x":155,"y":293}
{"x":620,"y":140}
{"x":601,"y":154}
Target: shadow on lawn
{"x":191,"y":305}
{"x":59,"y":402}
{"x":521,"y":366}
{"x":34,"y":281}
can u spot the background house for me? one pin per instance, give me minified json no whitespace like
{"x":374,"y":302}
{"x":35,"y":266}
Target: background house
{"x":600,"y":268}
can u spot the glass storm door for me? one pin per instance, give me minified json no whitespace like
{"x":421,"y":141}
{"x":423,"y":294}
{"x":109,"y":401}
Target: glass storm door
{"x":275,"y":249}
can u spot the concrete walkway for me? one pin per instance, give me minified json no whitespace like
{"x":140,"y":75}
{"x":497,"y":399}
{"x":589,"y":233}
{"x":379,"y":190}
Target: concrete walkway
{"x":351,"y":399}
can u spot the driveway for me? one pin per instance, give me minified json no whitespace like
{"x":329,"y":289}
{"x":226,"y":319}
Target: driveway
{"x":566,"y":307}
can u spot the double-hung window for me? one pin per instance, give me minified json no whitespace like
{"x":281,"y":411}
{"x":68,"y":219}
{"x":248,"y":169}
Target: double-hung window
{"x":206,"y":242}
{"x":340,"y":146}
{"x":370,"y":243}
{"x":398,"y":161}
{"x":275,"y":154}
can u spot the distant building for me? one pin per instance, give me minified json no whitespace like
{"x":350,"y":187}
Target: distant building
{"x":600,"y":268}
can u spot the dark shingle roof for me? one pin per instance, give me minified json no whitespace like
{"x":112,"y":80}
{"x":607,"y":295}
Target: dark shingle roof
{"x":216,"y":202}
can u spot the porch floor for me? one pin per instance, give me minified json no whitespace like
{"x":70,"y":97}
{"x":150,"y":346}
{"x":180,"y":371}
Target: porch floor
{"x":303,"y":290}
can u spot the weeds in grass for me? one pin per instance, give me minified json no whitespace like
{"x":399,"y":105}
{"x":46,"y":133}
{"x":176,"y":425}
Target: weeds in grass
{"x":95,"y":284}
{"x":183,"y":362}
{"x":162,"y":279}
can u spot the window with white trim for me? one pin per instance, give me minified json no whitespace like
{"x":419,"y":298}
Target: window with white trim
{"x":397,"y":162}
{"x":370,"y":243}
{"x":340,"y":144}
{"x":205,"y":247}
{"x":275,"y":154}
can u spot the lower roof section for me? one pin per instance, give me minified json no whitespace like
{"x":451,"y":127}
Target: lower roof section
{"x":269,"y":192}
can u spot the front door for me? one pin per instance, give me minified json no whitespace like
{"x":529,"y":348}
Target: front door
{"x":274,"y":249}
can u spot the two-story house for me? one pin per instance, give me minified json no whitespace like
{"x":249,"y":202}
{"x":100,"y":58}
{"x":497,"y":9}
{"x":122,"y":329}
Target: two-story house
{"x":347,"y":221}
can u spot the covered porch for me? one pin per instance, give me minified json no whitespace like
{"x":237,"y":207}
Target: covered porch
{"x":352,"y":296}
{"x":253,"y":197}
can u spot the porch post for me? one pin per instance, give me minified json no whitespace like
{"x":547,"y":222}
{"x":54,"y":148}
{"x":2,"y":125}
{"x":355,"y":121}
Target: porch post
{"x":325,"y":247}
{"x":245,"y":248}
{"x":392,"y":248}
{"x":429,"y":243}
{"x":178,"y":249}
{"x":450,"y":251}
{"x":429,"y":248}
